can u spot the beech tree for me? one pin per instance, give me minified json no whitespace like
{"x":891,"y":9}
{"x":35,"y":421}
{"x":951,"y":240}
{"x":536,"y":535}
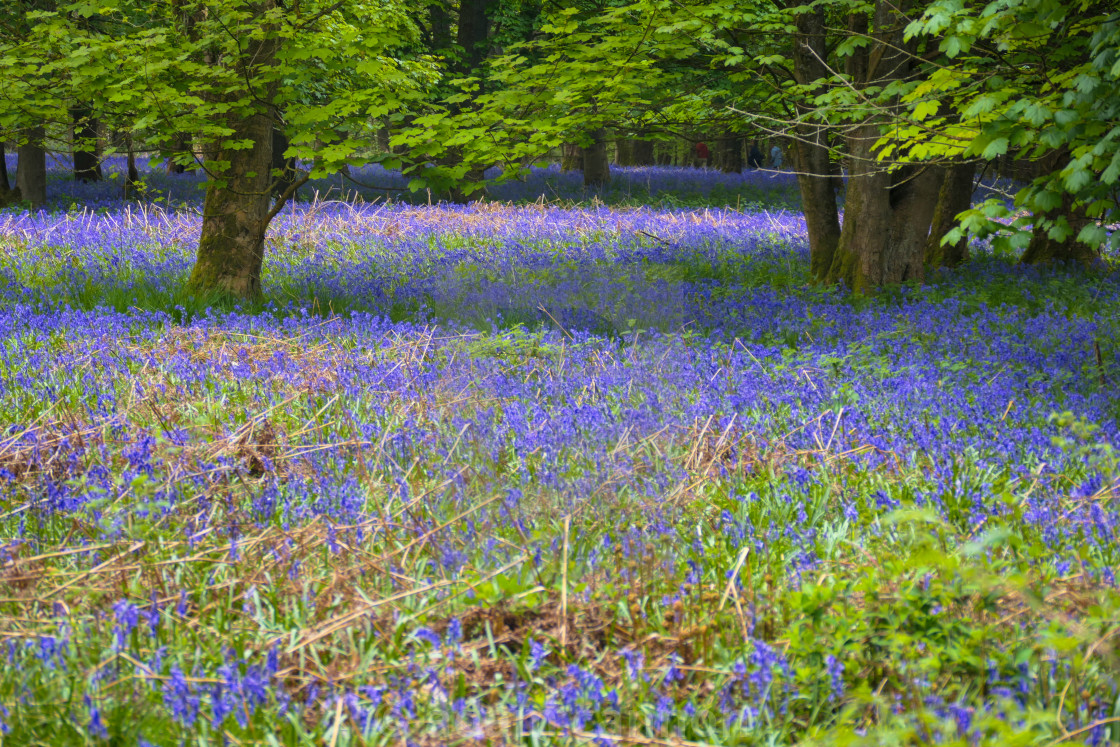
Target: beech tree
{"x":1037,"y":79}
{"x":26,"y":103}
{"x":84,"y":145}
{"x":916,"y":96}
{"x":441,"y":143}
{"x":889,"y":208}
{"x":913,"y":98}
{"x":574,"y":74}
{"x":239,"y":70}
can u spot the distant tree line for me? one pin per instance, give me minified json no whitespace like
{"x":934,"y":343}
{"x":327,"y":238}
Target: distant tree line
{"x":904,"y":105}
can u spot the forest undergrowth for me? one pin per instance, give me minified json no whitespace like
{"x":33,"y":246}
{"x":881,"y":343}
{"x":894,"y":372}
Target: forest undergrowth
{"x":549,"y":474}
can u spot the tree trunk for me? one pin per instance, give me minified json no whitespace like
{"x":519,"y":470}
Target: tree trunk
{"x":643,"y":153}
{"x":624,"y":152}
{"x":132,"y":174}
{"x":571,"y":157}
{"x":814,"y":171}
{"x":238,"y":204}
{"x":383,"y":137}
{"x":31,"y":169}
{"x":731,"y":154}
{"x":132,"y":178}
{"x":180,"y":146}
{"x":474,"y":27}
{"x":87,"y":160}
{"x":954,"y":197}
{"x":235,"y":215}
{"x":887,"y":215}
{"x":1046,"y":250}
{"x":7,"y":195}
{"x":596,"y":167}
{"x":440,"y":22}
{"x":887,"y":219}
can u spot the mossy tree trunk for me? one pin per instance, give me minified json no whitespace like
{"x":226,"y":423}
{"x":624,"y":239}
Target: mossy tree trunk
{"x":238,"y":205}
{"x":814,"y":170}
{"x":887,"y":218}
{"x":571,"y":157}
{"x":235,"y":214}
{"x":87,"y":159}
{"x":887,"y":214}
{"x":596,"y":165}
{"x":31,"y":169}
{"x":954,"y":197}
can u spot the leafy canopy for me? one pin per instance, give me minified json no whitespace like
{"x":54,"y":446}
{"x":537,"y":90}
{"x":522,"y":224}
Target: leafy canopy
{"x":323,"y":70}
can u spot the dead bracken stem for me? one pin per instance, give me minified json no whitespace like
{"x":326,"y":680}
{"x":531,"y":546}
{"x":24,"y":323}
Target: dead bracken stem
{"x":564,"y":585}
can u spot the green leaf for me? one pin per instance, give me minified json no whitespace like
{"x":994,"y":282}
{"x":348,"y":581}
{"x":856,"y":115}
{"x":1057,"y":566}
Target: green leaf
{"x":997,"y":147}
{"x":925,"y":109}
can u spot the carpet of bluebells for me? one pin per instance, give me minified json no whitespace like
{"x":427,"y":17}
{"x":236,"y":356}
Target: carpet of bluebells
{"x":540,"y":472}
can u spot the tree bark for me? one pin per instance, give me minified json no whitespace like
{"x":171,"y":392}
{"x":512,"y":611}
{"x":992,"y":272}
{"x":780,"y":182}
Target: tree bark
{"x":571,"y":157}
{"x":382,"y":136}
{"x":643,"y":153}
{"x":954,"y":197}
{"x":31,"y":169}
{"x":132,"y":178}
{"x":5,"y":184}
{"x":624,"y":152}
{"x":596,"y":166}
{"x":887,"y":215}
{"x":238,"y":204}
{"x":440,"y":22}
{"x":730,"y":149}
{"x":7,"y":194}
{"x":474,"y":27}
{"x":887,"y":219}
{"x":814,"y":170}
{"x":235,"y":215}
{"x":87,"y":160}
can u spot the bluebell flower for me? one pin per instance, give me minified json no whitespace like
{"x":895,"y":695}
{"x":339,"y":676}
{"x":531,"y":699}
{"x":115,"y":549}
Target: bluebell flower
{"x":96,"y":726}
{"x":128,"y":617}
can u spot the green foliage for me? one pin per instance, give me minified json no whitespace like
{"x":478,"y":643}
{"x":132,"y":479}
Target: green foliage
{"x":1032,"y":78}
{"x":190,"y":66}
{"x":642,"y":67}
